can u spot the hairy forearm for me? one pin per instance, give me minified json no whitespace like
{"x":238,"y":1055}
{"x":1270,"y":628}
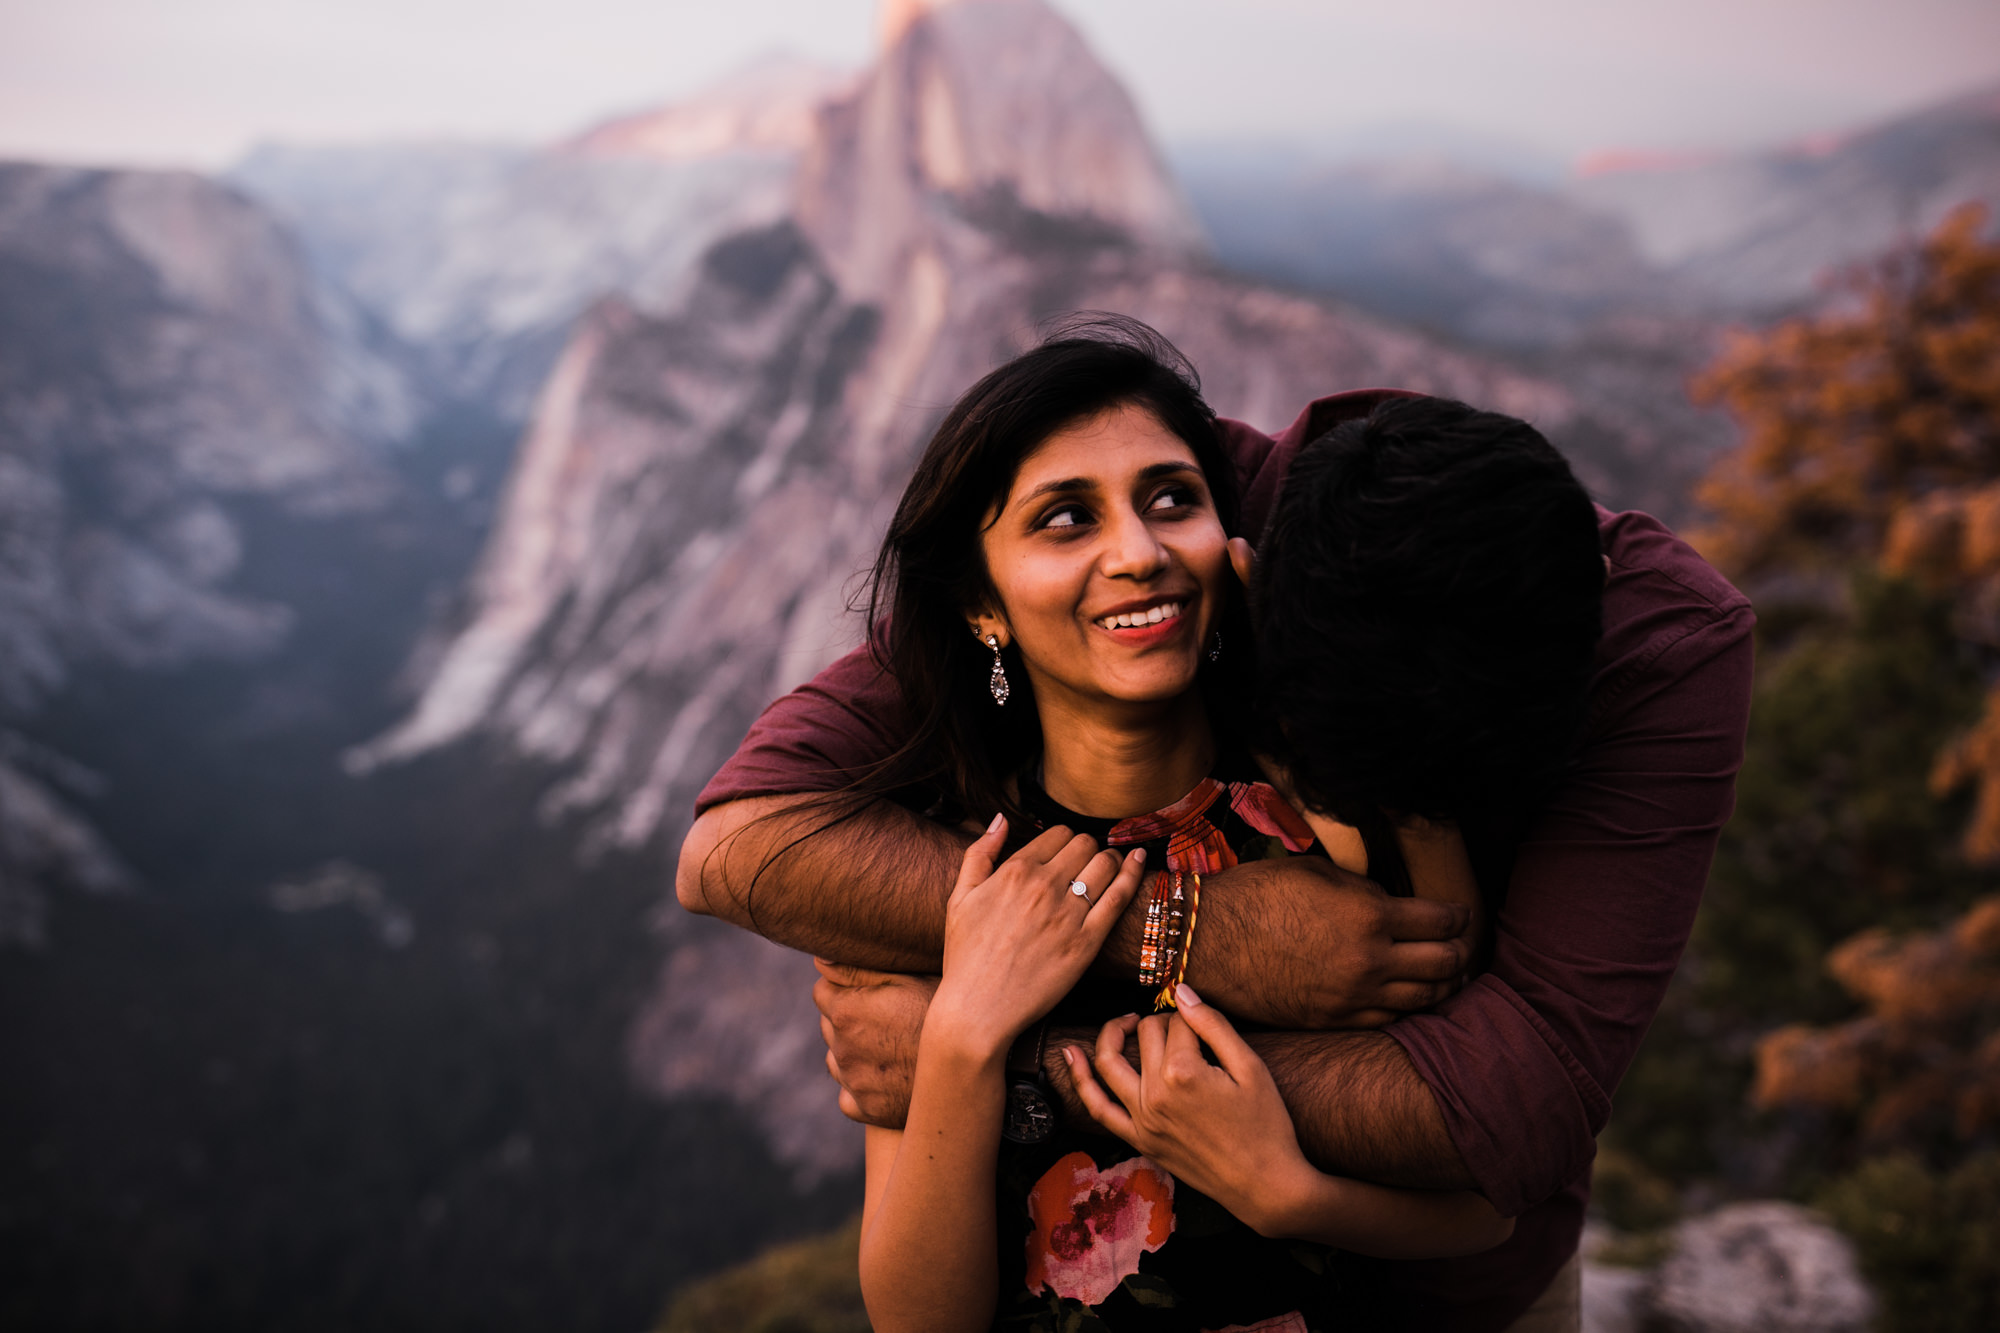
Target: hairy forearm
{"x":1231,"y":933}
{"x":1295,"y":944}
{"x":1362,"y":1110}
{"x":1359,"y":1108}
{"x":862,"y":885}
{"x":1299,"y":944}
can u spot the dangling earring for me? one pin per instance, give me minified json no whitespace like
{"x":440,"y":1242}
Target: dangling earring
{"x":1215,"y":653}
{"x":997,"y":682}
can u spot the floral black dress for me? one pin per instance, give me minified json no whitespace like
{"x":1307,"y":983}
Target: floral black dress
{"x":1095,"y":1237}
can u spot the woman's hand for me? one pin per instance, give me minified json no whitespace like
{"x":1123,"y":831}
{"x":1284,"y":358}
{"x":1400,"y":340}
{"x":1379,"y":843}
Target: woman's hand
{"x":1221,"y":1128}
{"x":1016,"y":939}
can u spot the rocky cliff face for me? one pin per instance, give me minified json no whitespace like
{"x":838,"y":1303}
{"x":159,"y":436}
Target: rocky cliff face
{"x":163,"y":353}
{"x":1537,"y":265}
{"x":993,"y":103}
{"x":696,"y":491}
{"x":1496,"y":261}
{"x":163,"y":358}
{"x":1616,"y":285}
{"x":1753,"y":233}
{"x":479,"y":258}
{"x":769,"y":107}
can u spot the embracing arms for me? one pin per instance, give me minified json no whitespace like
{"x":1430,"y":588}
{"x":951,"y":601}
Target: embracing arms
{"x":1016,"y":940}
{"x":1295,"y":944}
{"x":1224,"y":1128}
{"x":1504,"y":1085}
{"x":1358,"y":1106}
{"x":869,"y":889}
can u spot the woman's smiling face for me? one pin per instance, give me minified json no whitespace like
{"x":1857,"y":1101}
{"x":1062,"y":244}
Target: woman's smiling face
{"x":1110,"y":562}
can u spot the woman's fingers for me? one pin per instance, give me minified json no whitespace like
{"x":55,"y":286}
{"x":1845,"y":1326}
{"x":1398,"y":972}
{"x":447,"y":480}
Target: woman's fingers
{"x":1152,"y":1044}
{"x":1096,"y":877}
{"x":1110,"y":905}
{"x":1047,"y":845}
{"x":984,"y":853}
{"x":1184,"y":1054}
{"x":1096,"y":1100}
{"x":1068,"y":863}
{"x":1110,"y":1062}
{"x":1204,"y":1021}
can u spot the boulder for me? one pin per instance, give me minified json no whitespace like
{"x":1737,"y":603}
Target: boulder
{"x":1763,"y":1267}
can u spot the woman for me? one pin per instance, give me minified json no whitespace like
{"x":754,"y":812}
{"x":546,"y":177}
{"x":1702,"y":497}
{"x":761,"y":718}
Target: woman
{"x":1060,"y":610}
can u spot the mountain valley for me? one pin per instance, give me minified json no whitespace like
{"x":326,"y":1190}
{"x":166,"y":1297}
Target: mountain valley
{"x":393,"y":539}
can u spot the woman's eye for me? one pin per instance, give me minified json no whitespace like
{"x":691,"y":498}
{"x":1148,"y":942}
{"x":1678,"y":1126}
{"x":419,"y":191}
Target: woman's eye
{"x":1069,"y":516}
{"x":1174,"y":497}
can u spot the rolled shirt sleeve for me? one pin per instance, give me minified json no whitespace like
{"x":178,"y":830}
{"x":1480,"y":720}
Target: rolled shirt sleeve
{"x":817,"y":737}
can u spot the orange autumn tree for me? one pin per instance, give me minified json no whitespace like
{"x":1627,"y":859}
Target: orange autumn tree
{"x":1872,"y":443}
{"x":1872,"y":437}
{"x":1923,"y":1061}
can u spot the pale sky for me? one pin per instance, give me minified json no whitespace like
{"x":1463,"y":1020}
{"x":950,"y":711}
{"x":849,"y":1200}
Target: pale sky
{"x":195,"y":82}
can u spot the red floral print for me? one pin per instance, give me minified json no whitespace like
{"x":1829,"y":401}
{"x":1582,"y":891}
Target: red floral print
{"x":1091,"y":1226}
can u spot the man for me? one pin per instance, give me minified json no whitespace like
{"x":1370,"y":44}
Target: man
{"x":1500,"y":1086}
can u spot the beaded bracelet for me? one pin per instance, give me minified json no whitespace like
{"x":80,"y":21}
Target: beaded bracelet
{"x":1160,"y":943}
{"x":1175,"y":919}
{"x":1166,"y":998}
{"x":1160,"y":940}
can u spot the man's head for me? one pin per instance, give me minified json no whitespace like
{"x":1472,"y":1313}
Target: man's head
{"x":1428,"y":601}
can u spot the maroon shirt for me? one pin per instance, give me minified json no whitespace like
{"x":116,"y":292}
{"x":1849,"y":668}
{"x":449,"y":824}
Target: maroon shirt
{"x":1598,"y":906}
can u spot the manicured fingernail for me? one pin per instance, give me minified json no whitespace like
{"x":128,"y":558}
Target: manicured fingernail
{"x":1139,"y":855}
{"x":1185,"y":994}
{"x":998,"y":820}
{"x":1069,"y":1056}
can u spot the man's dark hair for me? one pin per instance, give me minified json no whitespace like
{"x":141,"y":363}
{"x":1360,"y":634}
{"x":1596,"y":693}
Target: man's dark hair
{"x":1428,"y":602}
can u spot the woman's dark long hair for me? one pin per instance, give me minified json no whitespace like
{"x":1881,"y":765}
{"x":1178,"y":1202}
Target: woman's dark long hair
{"x":963,"y":752}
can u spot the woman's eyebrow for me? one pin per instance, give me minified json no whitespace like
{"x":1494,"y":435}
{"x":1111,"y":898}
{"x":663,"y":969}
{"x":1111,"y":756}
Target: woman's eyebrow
{"x":1066,"y":485}
{"x":1071,"y":485}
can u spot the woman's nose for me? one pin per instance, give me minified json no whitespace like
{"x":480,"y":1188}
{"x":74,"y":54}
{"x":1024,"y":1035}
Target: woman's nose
{"x":1132,"y":550}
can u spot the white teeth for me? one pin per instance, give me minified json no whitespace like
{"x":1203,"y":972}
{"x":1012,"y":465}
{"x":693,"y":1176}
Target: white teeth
{"x":1150,"y":616}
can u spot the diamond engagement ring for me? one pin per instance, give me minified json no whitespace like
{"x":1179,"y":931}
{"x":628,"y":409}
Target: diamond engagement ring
{"x":1079,"y":888}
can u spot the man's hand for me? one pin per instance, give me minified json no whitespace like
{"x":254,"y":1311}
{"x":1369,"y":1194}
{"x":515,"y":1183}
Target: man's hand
{"x":1300,"y":944}
{"x":871,"y":1022}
